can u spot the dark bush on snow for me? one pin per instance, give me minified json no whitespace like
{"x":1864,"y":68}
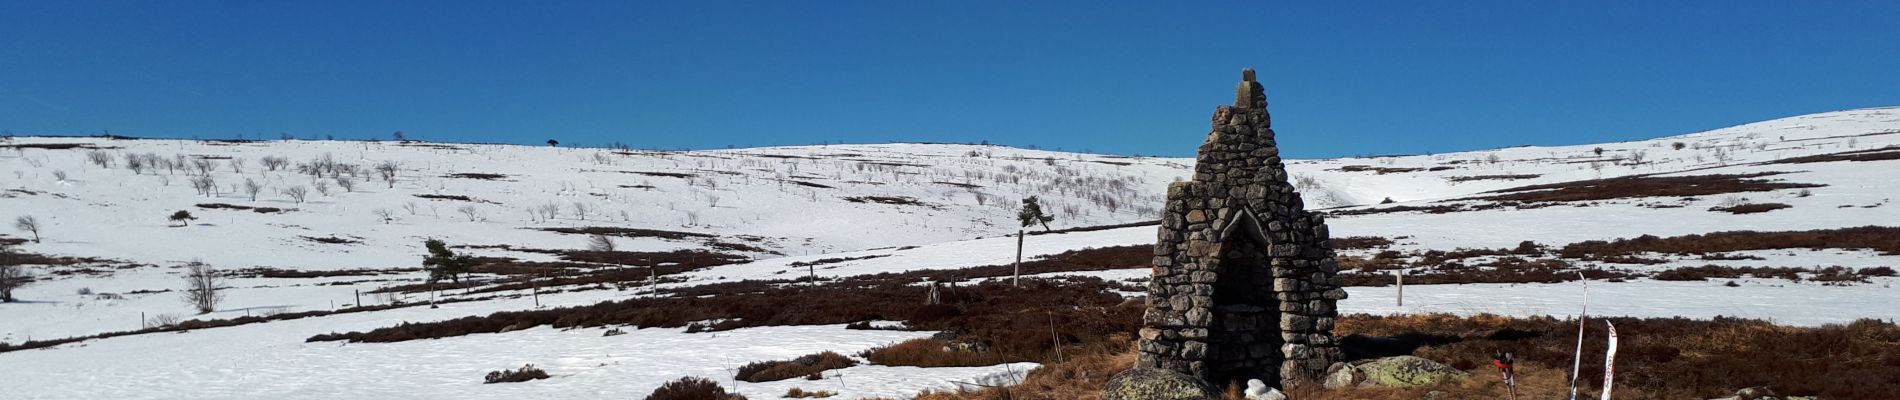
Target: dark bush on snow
{"x":692,"y":388}
{"x":767,"y":371}
{"x":526,"y":373}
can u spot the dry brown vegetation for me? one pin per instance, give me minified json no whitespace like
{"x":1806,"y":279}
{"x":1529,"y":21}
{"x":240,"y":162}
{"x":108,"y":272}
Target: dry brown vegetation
{"x":893,"y":200}
{"x":1644,"y":186}
{"x":477,"y":175}
{"x":629,"y":232}
{"x":1878,"y":238}
{"x":692,"y":388}
{"x":932,"y":353}
{"x":1659,"y":358}
{"x":213,"y":323}
{"x":1500,"y":270}
{"x":796,"y":393}
{"x":1750,"y":208}
{"x":1491,"y":177}
{"x":526,"y":373}
{"x":767,"y":371}
{"x":259,"y":210}
{"x":1880,"y":154}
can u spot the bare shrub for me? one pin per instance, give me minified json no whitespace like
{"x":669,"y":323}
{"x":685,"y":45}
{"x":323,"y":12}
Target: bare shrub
{"x":251,"y":187}
{"x":161,"y":320}
{"x":202,"y":289}
{"x":323,"y":188}
{"x":410,"y":207}
{"x":135,"y":163}
{"x":237,"y":165}
{"x":526,"y":373}
{"x":469,"y":211}
{"x":384,"y":214}
{"x":204,"y":185}
{"x":600,"y":243}
{"x":100,"y":158}
{"x":60,"y":175}
{"x":692,"y":388}
{"x":273,"y":163}
{"x":204,"y":166}
{"x":581,"y":210}
{"x":297,"y":193}
{"x":12,"y":276}
{"x":28,"y":224}
{"x":387,"y":170}
{"x":348,"y":184}
{"x":550,"y":210}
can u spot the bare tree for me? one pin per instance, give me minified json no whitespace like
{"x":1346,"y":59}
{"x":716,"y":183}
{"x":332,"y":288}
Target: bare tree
{"x":11,"y":276}
{"x":135,"y":163}
{"x":297,"y":193}
{"x":237,"y":165}
{"x":251,"y":187}
{"x":29,"y":224}
{"x":410,"y":207}
{"x":100,"y":158}
{"x":204,"y":185}
{"x":469,"y":210}
{"x":387,"y":170}
{"x":204,"y":166}
{"x":347,"y":183}
{"x":580,"y":210}
{"x":600,"y":243}
{"x":550,"y":210}
{"x":384,"y":214}
{"x":272,"y":163}
{"x":323,"y":188}
{"x":201,"y":287}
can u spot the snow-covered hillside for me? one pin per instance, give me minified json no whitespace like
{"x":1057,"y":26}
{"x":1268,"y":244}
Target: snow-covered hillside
{"x":853,"y":209}
{"x":790,"y":200}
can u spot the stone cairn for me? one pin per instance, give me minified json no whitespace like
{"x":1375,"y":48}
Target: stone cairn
{"x":1244,"y":285}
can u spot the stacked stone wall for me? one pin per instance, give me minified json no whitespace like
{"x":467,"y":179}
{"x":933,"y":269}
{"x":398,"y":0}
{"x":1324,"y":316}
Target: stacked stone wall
{"x":1244,"y":284}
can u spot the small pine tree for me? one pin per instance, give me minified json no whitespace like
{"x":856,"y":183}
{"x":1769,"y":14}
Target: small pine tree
{"x":1032,"y":214}
{"x":444,"y":263}
{"x":182,"y":217}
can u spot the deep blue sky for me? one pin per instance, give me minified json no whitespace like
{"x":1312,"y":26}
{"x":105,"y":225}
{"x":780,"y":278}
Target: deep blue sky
{"x":1138,"y":77}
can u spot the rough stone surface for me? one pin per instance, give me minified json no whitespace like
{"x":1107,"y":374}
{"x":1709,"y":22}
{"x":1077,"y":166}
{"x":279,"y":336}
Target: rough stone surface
{"x":1240,"y":264}
{"x":1760,"y":393}
{"x":1156,"y":384}
{"x":1392,"y":372}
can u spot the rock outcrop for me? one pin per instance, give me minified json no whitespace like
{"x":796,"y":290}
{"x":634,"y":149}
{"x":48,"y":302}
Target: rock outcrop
{"x":1392,"y":372}
{"x":1761,"y":393}
{"x":1156,"y":384}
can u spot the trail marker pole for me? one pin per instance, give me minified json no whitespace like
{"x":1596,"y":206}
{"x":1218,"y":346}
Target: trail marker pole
{"x":1576,"y":364}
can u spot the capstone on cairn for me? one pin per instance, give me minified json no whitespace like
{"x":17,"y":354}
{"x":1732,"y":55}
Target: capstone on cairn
{"x":1245,"y":285}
